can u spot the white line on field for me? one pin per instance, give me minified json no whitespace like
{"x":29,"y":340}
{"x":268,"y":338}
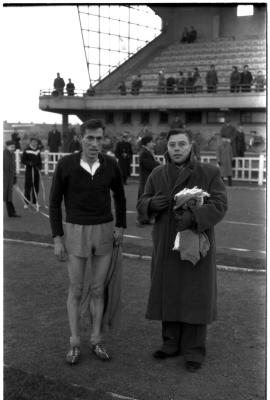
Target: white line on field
{"x":141,"y":257}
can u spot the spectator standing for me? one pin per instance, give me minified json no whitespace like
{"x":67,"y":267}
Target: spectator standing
{"x":246,"y":79}
{"x":70,"y":88}
{"x":181,"y":83}
{"x":54,"y":140}
{"x":228,"y":131}
{"x":192,"y":35}
{"x":122,"y":88}
{"x":136,"y":85}
{"x":84,"y":181}
{"x":235,"y":79}
{"x":190,"y":83}
{"x":59,"y":85}
{"x":170,"y":84}
{"x":185,"y":35}
{"x":15,"y":137}
{"x":197,"y":82}
{"x":161,"y":85}
{"x":75,"y":145}
{"x":240,"y":143}
{"x":224,"y":158}
{"x":211,"y":79}
{"x":176,"y":123}
{"x":182,"y":295}
{"x":259,"y":82}
{"x":9,"y":177}
{"x":123,"y":152}
{"x":31,"y":158}
{"x":90,"y":91}
{"x":161,"y":145}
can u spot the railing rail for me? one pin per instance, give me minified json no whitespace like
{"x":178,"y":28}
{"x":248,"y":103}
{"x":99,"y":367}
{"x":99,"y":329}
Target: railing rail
{"x":153,"y":89}
{"x":247,"y":169}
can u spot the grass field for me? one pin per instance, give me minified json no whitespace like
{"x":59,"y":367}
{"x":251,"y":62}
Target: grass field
{"x":36,"y":339}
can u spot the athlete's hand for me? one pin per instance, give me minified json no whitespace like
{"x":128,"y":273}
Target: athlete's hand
{"x":118,"y":235}
{"x":59,"y":249}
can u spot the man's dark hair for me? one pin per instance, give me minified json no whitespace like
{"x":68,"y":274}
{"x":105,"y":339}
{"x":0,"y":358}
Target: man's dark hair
{"x":91,"y":124}
{"x":186,"y":132}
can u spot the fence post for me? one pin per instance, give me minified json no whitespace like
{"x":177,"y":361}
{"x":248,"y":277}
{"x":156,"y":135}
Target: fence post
{"x":46,"y":162}
{"x":261,"y":165}
{"x":17,"y":161}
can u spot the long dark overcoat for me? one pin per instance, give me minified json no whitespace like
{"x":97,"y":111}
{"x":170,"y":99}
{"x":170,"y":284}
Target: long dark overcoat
{"x":9,"y":174}
{"x":224,"y":157}
{"x":123,"y":152}
{"x":179,"y":290}
{"x":147,"y":163}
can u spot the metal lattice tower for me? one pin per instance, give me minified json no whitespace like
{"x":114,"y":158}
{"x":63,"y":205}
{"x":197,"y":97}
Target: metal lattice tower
{"x":112,"y":33}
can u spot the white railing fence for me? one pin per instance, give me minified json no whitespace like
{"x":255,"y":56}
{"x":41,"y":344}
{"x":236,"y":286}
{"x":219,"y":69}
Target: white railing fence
{"x":249,"y":169}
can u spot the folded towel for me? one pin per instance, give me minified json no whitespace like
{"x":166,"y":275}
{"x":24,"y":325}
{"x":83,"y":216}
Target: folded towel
{"x":192,"y":246}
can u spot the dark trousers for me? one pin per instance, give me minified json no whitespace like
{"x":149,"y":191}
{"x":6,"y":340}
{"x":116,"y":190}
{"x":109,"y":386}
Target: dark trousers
{"x":31,"y":184}
{"x":188,"y":339}
{"x":10,"y":208}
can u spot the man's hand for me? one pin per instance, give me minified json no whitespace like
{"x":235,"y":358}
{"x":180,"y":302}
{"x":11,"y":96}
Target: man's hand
{"x":59,"y":249}
{"x":118,"y":235}
{"x":184,"y":221}
{"x":159,"y":203}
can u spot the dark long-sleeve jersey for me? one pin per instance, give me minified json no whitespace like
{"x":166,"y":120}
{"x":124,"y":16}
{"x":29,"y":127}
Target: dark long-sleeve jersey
{"x":31,"y":158}
{"x":87,"y":198}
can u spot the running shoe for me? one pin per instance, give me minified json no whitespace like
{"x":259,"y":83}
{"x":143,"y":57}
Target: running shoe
{"x":73,"y":355}
{"x":100,"y":352}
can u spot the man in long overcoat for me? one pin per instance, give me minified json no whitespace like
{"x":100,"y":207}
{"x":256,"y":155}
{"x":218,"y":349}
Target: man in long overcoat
{"x":147,"y":163}
{"x":9,"y":177}
{"x":182,"y":295}
{"x":54,"y":140}
{"x":123,"y":152}
{"x":224,"y":158}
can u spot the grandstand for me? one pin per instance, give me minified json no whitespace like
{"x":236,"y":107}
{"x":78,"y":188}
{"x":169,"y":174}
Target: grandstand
{"x":224,"y":39}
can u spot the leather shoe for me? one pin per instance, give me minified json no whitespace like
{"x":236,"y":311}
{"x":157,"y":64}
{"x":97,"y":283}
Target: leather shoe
{"x":193,"y":366}
{"x":162,"y":355}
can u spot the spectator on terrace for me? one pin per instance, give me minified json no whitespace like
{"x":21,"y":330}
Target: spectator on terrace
{"x":161,"y":145}
{"x":259,"y":82}
{"x":224,"y":158}
{"x":136,"y":85}
{"x":70,"y":87}
{"x":181,"y":83}
{"x":90,"y":91}
{"x":197,"y":81}
{"x":185,"y":35}
{"x":192,"y":35}
{"x":190,"y":83}
{"x":161,"y":82}
{"x":211,"y":79}
{"x":170,"y":84}
{"x":59,"y":85}
{"x":235,"y":79}
{"x":246,"y":79}
{"x":122,"y":88}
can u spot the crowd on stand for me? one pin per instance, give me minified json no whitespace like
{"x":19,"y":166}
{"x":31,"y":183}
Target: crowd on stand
{"x":191,"y":82}
{"x":189,"y":35}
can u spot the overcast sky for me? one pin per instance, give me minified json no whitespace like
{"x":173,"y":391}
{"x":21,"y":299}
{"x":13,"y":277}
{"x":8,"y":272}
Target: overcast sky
{"x":39,"y":42}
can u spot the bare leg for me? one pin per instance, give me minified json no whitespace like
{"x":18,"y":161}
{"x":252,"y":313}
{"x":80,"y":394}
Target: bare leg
{"x":76,"y":270}
{"x":100,"y":266}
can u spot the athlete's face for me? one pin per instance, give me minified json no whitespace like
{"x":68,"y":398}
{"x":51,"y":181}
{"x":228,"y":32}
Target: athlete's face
{"x":92,"y":142}
{"x":179,"y":148}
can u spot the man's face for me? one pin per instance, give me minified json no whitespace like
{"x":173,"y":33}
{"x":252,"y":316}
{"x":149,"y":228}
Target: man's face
{"x":11,"y":148}
{"x":34,"y":144}
{"x":92,"y":142}
{"x":179,"y":147}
